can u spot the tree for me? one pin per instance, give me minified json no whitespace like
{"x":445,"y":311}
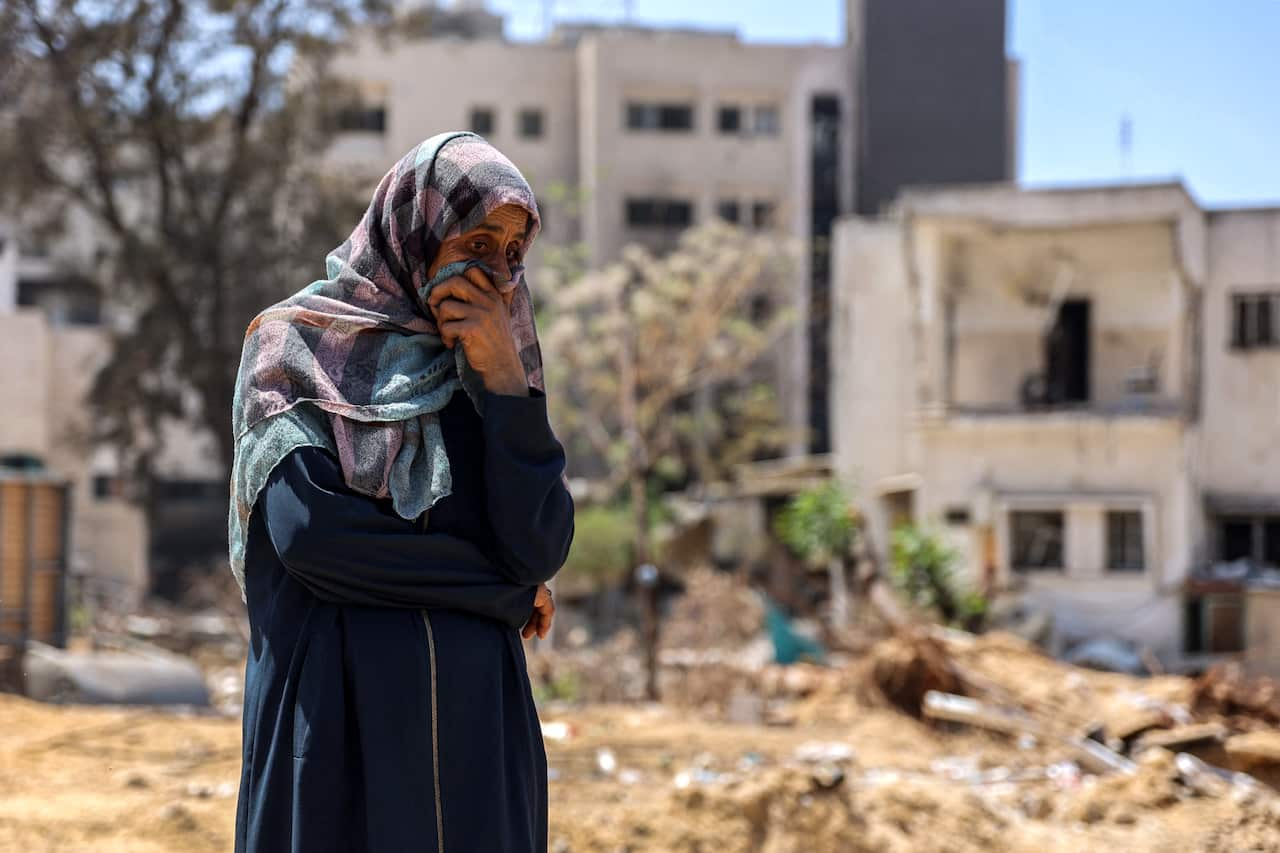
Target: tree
{"x":923,"y":570}
{"x":172,"y":126}
{"x":660,"y":370}
{"x":821,"y":526}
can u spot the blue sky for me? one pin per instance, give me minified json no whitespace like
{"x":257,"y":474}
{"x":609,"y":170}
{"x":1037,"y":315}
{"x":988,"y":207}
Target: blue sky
{"x":1198,"y":80}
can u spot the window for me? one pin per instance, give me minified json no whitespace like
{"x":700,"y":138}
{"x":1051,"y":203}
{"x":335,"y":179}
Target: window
{"x":727,"y":210}
{"x":762,"y":214}
{"x":1036,"y":540}
{"x":665,"y":117}
{"x":482,"y":121}
{"x":659,"y":213}
{"x":957,"y":516}
{"x":362,"y":118}
{"x":1255,"y":320}
{"x":21,"y":462}
{"x":729,"y":119}
{"x":1254,"y":538}
{"x":767,"y":121}
{"x":531,"y":123}
{"x":1124,"y":542}
{"x":107,"y":486}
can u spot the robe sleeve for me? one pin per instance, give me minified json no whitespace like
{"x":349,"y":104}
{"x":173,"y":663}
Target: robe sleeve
{"x":530,"y":508}
{"x":347,"y":549}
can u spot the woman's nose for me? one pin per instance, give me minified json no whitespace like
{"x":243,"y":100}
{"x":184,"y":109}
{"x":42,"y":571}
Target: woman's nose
{"x":500,"y":268}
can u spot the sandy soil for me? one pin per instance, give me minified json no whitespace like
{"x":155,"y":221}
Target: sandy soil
{"x":86,"y":779}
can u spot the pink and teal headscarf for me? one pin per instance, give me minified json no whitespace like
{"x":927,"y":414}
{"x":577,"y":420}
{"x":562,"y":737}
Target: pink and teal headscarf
{"x":354,"y":363}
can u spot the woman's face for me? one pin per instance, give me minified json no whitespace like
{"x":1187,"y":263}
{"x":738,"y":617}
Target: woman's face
{"x":498,"y":241}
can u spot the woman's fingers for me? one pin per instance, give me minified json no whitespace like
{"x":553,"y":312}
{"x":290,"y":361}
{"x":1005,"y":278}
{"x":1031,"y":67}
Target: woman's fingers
{"x":453,"y":309}
{"x":477,"y":277}
{"x":452,"y":331}
{"x":459,"y":288}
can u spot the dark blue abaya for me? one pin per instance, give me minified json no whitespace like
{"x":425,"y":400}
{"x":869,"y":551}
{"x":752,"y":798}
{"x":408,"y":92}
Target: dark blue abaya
{"x":387,"y":705}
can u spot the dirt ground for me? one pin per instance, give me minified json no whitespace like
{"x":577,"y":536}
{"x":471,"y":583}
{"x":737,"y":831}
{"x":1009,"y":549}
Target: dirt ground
{"x":646,"y":778}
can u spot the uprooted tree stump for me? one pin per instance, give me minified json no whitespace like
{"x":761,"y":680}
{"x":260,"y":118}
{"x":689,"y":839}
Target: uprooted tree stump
{"x":909,"y":665}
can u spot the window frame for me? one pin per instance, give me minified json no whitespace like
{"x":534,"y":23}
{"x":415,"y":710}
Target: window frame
{"x":652,"y":116}
{"x":1016,"y":565}
{"x":1118,"y":561}
{"x":1247,"y":308}
{"x":538,"y":115}
{"x":473,"y":124}
{"x":725,"y":110}
{"x":771,"y":128}
{"x":662,"y":207}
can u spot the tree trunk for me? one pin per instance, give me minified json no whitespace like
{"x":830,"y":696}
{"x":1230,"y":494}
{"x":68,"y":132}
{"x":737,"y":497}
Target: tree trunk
{"x":639,"y":500}
{"x":839,"y":593}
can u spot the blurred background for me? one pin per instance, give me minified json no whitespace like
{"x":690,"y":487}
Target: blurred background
{"x":918,"y":363}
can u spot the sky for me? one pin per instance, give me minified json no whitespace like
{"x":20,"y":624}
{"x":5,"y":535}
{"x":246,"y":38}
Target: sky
{"x":1197,"y":82}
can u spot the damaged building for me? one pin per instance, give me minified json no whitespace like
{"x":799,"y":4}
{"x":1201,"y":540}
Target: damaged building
{"x":1079,"y":388}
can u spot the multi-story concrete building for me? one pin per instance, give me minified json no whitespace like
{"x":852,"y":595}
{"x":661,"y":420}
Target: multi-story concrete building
{"x":628,"y":135}
{"x":54,"y":341}
{"x":1080,"y":389}
{"x":631,"y":134}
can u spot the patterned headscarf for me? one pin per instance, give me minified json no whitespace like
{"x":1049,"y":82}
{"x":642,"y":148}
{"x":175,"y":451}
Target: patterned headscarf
{"x":354,"y":362}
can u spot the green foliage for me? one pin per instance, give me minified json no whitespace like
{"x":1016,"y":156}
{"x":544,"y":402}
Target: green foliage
{"x":818,"y":524}
{"x":923,"y":571}
{"x":601,"y":546}
{"x":566,"y":687}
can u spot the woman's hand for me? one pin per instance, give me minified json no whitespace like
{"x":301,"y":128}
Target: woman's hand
{"x":544,"y":609}
{"x":470,"y":310}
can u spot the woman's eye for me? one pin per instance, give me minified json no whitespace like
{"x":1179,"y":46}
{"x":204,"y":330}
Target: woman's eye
{"x":479,"y":246}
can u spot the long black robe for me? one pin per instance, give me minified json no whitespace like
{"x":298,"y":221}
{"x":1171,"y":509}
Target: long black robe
{"x":387,"y":705}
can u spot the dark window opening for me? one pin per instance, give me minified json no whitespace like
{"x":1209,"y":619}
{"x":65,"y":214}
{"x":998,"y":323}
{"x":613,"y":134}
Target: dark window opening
{"x":531,"y":124}
{"x":1255,"y":318}
{"x":1236,"y":542}
{"x":658,"y":213}
{"x":729,"y":119}
{"x":728,"y":210}
{"x":957,"y":516}
{"x":666,"y":117}
{"x":21,"y":462}
{"x":824,"y":207}
{"x":1067,"y":354}
{"x":483,"y":122}
{"x":762,"y":214}
{"x":1036,"y":540}
{"x":1253,"y":538}
{"x":1271,"y":541}
{"x":362,"y":118}
{"x":66,"y":301}
{"x":1124,"y":542}
{"x":108,"y":486}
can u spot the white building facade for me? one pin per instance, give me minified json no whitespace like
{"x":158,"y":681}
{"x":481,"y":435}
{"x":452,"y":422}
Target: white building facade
{"x":1080,"y":389}
{"x":629,"y":135}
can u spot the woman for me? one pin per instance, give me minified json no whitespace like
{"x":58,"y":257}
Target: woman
{"x":391,"y":535}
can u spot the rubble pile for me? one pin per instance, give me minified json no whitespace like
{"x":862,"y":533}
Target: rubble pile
{"x":1226,"y":690}
{"x":716,"y":611}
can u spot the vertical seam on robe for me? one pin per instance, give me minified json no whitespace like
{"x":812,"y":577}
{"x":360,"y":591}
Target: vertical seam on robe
{"x":435,"y":741}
